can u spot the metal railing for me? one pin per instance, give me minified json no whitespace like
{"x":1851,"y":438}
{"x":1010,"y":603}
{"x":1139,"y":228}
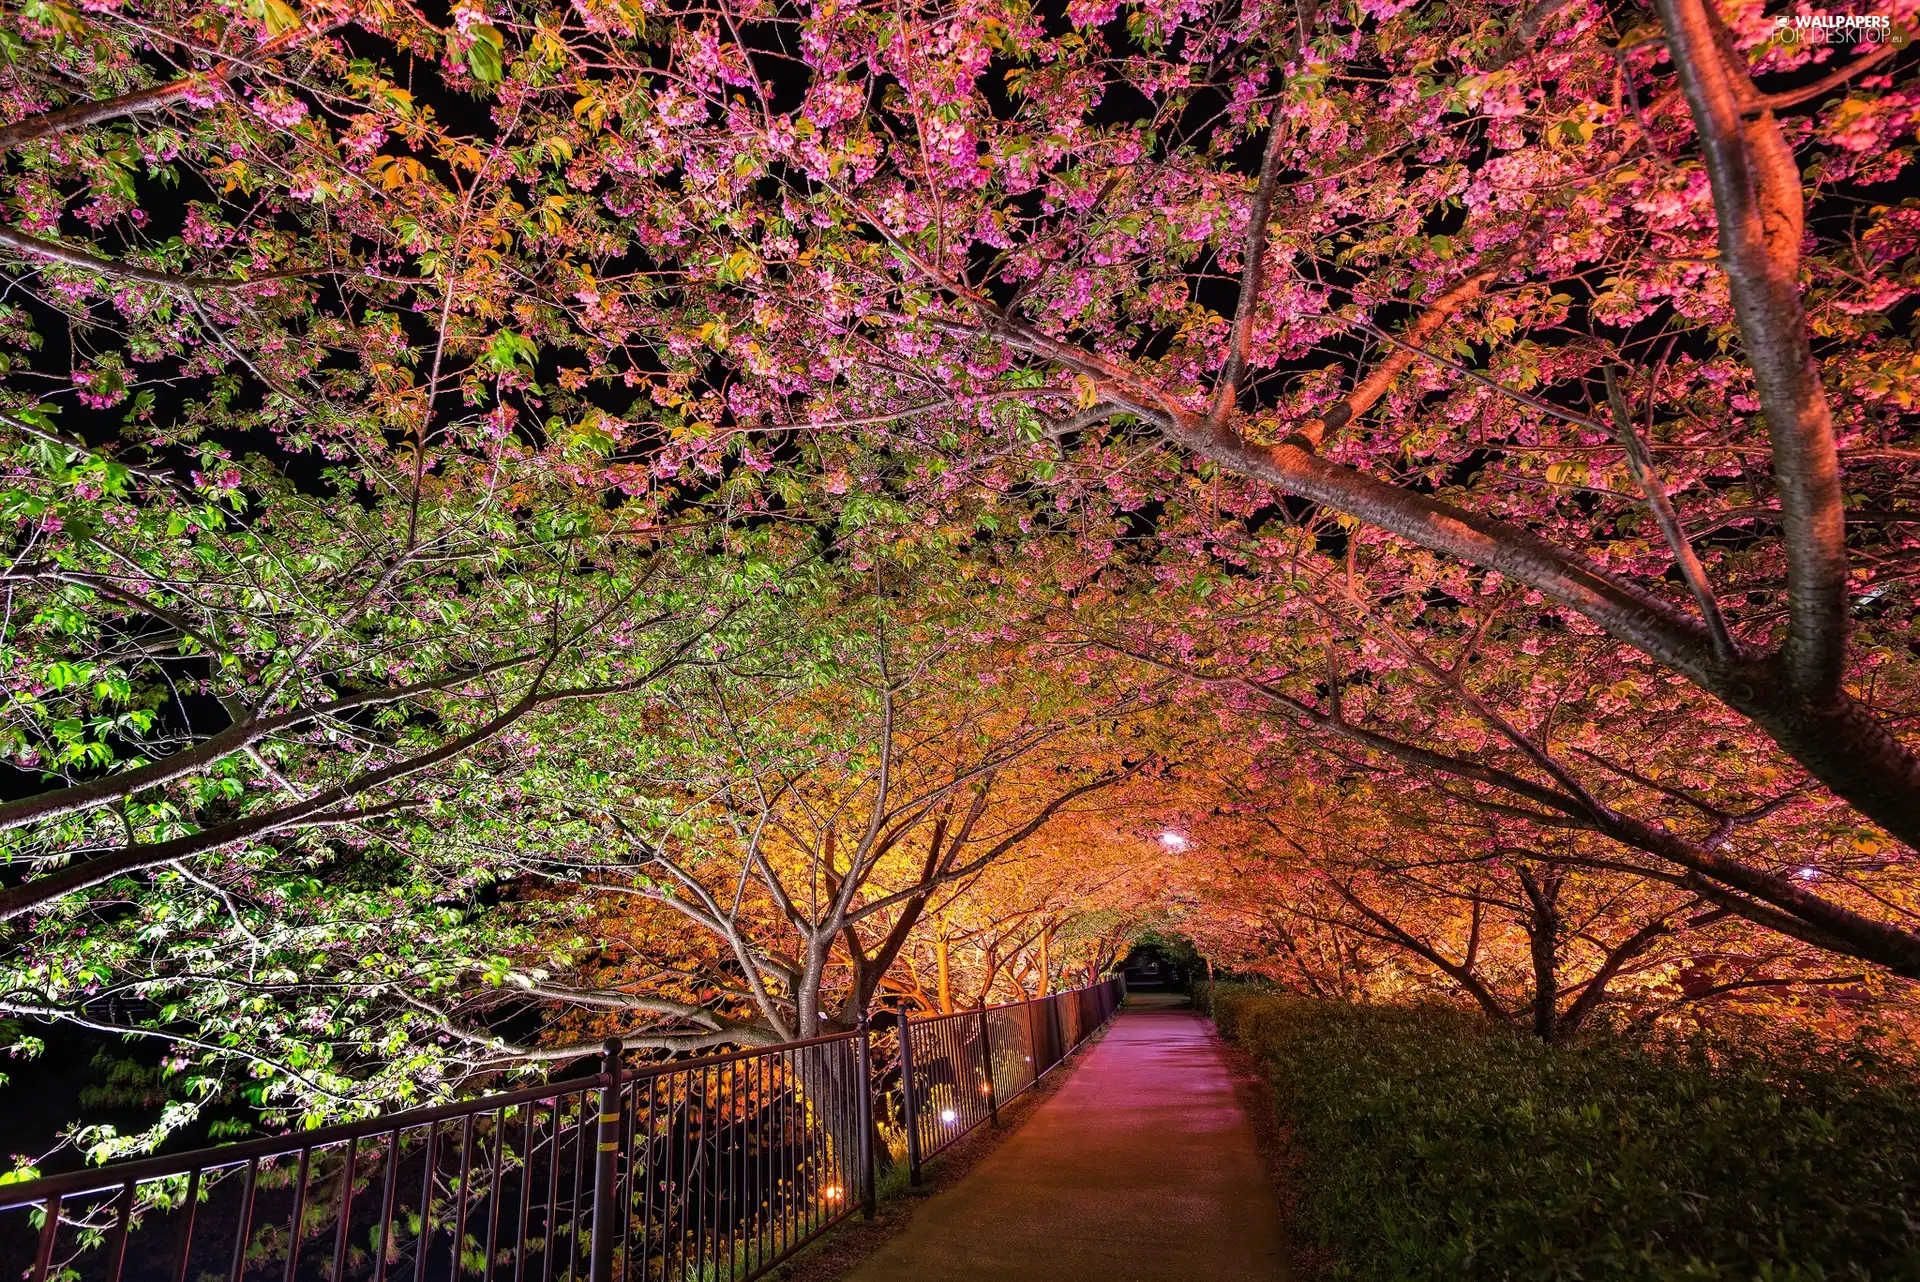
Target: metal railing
{"x":704,"y":1170}
{"x":957,"y":1070}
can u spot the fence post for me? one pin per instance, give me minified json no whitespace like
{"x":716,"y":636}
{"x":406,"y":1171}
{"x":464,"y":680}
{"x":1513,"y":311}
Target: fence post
{"x":868,"y":1198}
{"x":907,"y":1102}
{"x":606,"y":1164}
{"x":986,"y":1061}
{"x":49,"y":1230}
{"x":1033,"y":1045}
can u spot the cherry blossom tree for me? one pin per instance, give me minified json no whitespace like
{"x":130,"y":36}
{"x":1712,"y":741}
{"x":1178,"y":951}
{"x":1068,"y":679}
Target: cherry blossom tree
{"x":1508,"y":403}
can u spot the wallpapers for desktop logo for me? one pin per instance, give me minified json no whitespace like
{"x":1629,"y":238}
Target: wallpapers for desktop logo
{"x":1838,"y":28}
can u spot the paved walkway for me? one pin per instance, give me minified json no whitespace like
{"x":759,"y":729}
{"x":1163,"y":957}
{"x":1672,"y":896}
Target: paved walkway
{"x":1141,"y":1169}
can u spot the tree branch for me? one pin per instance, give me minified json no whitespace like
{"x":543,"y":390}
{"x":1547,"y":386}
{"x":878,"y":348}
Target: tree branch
{"x":53,"y":252}
{"x":152,"y":99}
{"x":1370,"y":389}
{"x":18,"y":900}
{"x":1684,"y":557}
{"x":1252,"y":274}
{"x":1525,"y":32}
{"x":126,"y":783}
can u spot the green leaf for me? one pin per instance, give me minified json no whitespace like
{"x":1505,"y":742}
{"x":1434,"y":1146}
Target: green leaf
{"x":61,"y":674}
{"x":486,"y":56}
{"x":509,"y":352}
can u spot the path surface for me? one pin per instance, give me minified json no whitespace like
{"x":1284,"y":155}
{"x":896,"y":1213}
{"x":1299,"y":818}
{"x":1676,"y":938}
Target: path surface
{"x":1141,"y":1169}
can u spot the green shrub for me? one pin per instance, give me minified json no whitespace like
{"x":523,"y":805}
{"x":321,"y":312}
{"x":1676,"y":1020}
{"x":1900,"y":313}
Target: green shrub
{"x":1431,"y":1144}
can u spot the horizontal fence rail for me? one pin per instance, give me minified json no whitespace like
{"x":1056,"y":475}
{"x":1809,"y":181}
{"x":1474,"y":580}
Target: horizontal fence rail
{"x":704,"y":1170}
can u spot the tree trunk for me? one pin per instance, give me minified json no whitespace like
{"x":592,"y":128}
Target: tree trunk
{"x":940,"y":949}
{"x":1842,"y":744}
{"x":1543,"y":937}
{"x":806,"y":1000}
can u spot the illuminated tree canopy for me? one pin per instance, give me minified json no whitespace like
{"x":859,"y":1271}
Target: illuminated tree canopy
{"x":696,"y":520}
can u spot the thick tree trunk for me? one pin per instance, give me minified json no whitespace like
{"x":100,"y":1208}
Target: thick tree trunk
{"x":1757,"y":200}
{"x":1543,"y":939}
{"x":1839,"y":741}
{"x":806,"y":998}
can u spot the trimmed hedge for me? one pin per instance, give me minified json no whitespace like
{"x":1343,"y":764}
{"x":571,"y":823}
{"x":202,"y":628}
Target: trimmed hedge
{"x":1430,"y":1144}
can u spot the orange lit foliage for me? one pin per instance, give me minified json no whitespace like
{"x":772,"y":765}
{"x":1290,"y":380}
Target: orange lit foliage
{"x":761,"y":872}
{"x":1058,"y":917}
{"x":1367,"y":891}
{"x":1372,"y":817}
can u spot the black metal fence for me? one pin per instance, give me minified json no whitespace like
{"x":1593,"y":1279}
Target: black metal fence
{"x":957,"y":1070}
{"x":705,"y":1170}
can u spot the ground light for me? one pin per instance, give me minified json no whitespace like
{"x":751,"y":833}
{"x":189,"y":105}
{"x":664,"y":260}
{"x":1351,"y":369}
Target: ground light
{"x":1173,"y":840}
